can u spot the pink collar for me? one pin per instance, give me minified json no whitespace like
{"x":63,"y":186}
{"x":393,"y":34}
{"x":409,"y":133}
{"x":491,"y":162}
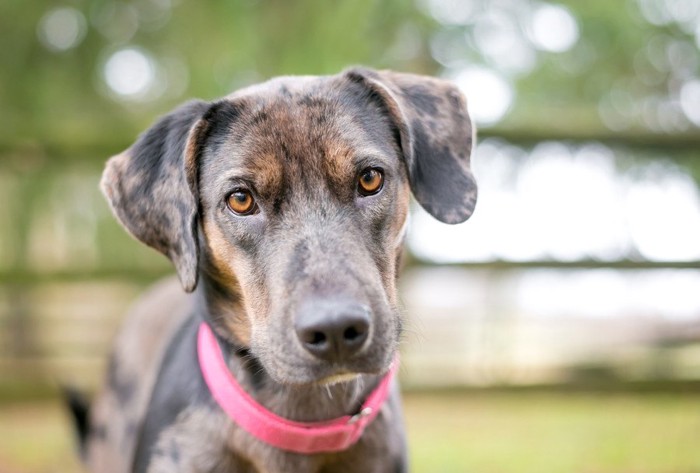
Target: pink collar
{"x":301,"y":437}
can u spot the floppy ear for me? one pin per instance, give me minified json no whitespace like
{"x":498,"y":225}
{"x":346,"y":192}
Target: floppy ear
{"x":435,"y":137}
{"x":151,"y":188}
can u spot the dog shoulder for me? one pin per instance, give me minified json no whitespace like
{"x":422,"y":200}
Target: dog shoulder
{"x":132,"y":371}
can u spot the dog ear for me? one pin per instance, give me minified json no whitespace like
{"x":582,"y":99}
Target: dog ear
{"x":435,"y":135}
{"x":151,"y":187}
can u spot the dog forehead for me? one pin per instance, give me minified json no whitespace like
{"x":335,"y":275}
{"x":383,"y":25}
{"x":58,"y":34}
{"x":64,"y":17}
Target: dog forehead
{"x":309,"y":107}
{"x":297,"y":109}
{"x":294,"y":126}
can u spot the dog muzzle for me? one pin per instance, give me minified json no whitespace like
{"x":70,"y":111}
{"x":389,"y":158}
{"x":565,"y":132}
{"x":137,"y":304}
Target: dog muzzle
{"x":333,"y":435}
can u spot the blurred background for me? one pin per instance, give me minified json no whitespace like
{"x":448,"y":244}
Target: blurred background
{"x":558,"y":330}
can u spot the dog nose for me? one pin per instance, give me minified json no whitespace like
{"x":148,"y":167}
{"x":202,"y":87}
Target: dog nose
{"x":333,"y":332}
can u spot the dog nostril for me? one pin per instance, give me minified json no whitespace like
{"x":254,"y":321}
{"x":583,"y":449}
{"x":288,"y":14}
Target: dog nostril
{"x":315,"y":338}
{"x":351,"y":334}
{"x":332,"y":331}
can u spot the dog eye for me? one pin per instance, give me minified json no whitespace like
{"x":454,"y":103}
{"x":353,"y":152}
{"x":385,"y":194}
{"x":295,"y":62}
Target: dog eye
{"x":370,"y":181}
{"x":241,"y":202}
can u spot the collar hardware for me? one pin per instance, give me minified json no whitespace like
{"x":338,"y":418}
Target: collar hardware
{"x":365,"y":412}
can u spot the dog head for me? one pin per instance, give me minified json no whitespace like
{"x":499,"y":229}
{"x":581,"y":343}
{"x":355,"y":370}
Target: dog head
{"x":287,"y":203}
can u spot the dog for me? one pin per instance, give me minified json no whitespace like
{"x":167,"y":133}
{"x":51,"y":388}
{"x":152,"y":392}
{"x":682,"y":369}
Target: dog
{"x":283,"y":208}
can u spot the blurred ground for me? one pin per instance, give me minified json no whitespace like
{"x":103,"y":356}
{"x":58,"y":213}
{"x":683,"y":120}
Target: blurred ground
{"x":458,"y":433}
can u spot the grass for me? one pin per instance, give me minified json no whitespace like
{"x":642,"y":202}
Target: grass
{"x":460,"y":433}
{"x":554,"y":433}
{"x":36,"y":438}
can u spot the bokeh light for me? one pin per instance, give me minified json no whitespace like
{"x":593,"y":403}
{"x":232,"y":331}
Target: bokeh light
{"x":61,"y":28}
{"x":690,"y":100}
{"x":451,"y":12}
{"x":498,"y":37}
{"x":554,"y":28}
{"x":489,"y":95}
{"x":130,"y":73}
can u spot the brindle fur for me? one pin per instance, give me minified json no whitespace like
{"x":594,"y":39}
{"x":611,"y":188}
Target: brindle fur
{"x":299,"y":144}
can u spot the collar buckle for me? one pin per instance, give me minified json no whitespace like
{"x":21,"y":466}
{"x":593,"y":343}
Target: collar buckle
{"x":365,"y":412}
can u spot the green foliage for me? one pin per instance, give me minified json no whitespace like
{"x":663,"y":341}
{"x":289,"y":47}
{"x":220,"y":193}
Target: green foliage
{"x":58,"y":100}
{"x":60,"y":97}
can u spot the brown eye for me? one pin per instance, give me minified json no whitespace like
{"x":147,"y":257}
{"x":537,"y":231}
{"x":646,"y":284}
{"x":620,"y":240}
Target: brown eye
{"x":370,"y":181}
{"x":240,"y":202}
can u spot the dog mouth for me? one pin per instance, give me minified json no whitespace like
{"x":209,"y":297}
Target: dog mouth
{"x":299,"y":373}
{"x":339,"y":378}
